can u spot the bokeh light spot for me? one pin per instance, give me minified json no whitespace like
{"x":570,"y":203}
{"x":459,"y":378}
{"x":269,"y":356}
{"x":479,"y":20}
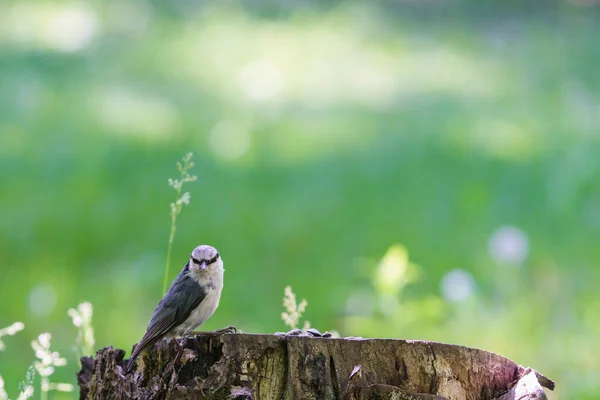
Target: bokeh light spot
{"x":360,"y":302}
{"x":72,"y":29}
{"x":229,"y":140}
{"x":124,"y":111}
{"x":394,"y":271}
{"x":260,"y":80}
{"x":457,"y":285}
{"x":42,"y":299}
{"x":509,"y":245}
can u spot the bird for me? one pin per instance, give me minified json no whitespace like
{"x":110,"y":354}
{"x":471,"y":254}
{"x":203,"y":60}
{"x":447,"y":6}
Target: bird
{"x":192,"y":298}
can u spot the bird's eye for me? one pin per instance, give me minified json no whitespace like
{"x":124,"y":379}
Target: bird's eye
{"x":196,"y":261}
{"x":214,"y":259}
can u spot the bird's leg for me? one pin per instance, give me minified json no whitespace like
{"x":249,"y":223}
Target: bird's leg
{"x":229,"y":329}
{"x":179,"y":351}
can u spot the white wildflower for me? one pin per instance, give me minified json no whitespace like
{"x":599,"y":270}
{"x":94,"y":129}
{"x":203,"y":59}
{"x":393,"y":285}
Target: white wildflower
{"x":82,"y":319}
{"x":291,"y":317}
{"x":26,"y":393}
{"x":10,"y":331}
{"x":3,"y":394}
{"x":46,"y":362}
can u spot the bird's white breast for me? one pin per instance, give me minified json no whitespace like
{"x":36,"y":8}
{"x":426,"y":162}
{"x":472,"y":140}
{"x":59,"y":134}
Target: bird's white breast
{"x":212,"y":282}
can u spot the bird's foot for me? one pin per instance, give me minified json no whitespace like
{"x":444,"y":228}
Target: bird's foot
{"x":229,"y":329}
{"x":218,"y":332}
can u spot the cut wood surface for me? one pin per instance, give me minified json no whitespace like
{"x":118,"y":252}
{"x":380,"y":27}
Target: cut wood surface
{"x":251,"y":366}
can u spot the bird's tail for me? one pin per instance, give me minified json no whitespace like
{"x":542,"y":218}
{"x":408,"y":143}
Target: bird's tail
{"x":151,"y":336}
{"x":136,"y":353}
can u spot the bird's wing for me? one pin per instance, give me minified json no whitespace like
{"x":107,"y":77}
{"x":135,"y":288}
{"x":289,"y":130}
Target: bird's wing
{"x":183,"y":297}
{"x":185,"y":294}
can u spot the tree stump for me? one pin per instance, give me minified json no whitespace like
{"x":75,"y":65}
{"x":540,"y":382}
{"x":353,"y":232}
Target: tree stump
{"x":252,"y":366}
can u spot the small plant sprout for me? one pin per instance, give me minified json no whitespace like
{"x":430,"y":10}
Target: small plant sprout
{"x":177,"y":205}
{"x":10,"y":331}
{"x":82,"y":319}
{"x":24,"y":395}
{"x":45,"y":364}
{"x":293,"y":311}
{"x":26,"y":386}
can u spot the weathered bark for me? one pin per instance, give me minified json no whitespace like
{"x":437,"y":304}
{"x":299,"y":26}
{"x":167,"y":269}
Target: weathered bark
{"x":245,"y":366}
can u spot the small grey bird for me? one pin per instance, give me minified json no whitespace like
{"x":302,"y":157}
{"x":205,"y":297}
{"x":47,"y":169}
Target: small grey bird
{"x":192,"y":298}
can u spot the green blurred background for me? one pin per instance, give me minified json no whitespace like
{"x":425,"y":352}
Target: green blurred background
{"x":461,"y":139}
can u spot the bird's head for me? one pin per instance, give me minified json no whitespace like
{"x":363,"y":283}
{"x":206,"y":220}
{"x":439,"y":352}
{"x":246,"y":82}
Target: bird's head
{"x":205,"y":258}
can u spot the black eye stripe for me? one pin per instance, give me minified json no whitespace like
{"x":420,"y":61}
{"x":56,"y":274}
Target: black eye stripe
{"x":196,"y":261}
{"x":212,"y":260}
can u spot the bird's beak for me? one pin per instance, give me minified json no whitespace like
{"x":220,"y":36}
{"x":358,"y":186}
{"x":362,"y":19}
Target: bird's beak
{"x":203,"y":265}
